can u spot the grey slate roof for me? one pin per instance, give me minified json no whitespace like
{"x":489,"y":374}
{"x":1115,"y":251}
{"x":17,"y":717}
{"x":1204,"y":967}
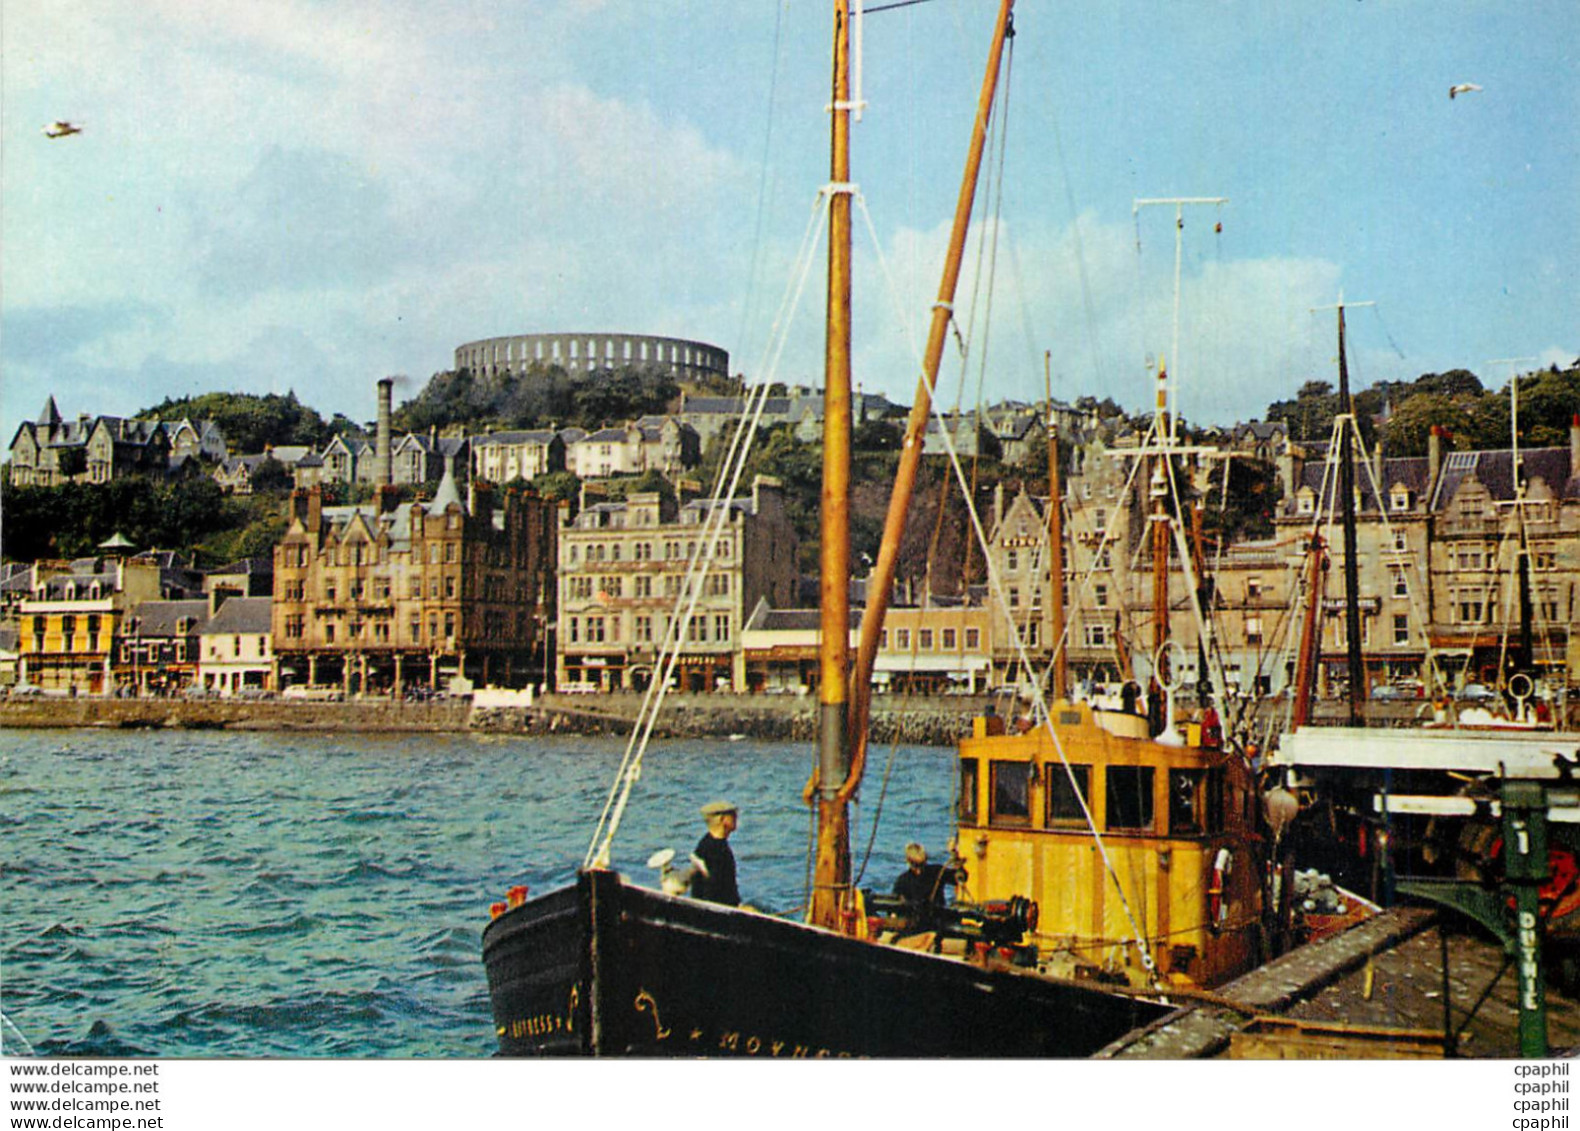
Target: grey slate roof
{"x":159,"y":618}
{"x":240,"y":616}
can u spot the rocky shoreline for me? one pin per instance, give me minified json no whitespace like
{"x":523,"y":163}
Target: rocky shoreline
{"x":922,"y":722}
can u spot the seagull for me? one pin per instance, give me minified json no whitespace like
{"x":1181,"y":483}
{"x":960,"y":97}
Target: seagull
{"x":61,"y":129}
{"x":1462,"y":88}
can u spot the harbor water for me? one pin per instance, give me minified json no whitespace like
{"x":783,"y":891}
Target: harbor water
{"x":220,"y":894}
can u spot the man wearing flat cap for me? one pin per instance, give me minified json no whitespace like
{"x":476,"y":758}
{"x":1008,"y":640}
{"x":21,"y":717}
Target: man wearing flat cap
{"x":713,"y":877}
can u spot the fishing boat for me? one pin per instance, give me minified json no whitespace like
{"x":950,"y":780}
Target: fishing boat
{"x":1475,"y":811}
{"x":1103,"y":859}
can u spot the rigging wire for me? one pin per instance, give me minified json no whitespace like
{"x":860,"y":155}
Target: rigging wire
{"x":729,"y":475}
{"x":748,"y":306}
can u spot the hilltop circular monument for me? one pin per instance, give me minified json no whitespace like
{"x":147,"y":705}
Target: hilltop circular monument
{"x":494,"y":357}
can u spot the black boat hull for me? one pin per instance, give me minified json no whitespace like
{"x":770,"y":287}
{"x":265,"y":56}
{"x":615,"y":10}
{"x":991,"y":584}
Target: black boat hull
{"x":605,"y":968}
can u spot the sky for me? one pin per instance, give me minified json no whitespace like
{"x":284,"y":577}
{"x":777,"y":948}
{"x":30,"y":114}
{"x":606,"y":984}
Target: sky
{"x":308,"y":195}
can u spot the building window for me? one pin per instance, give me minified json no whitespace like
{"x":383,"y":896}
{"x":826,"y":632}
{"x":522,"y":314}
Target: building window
{"x":1253,"y":630}
{"x":1401,"y":629}
{"x":1096,"y":635}
{"x":1401,"y":586}
{"x":1100,"y":595}
{"x":721,"y":627}
{"x":973,"y":638}
{"x":595,"y":630}
{"x":644,"y":630}
{"x":573,"y":626}
{"x":1253,"y":588}
{"x":1011,"y":560}
{"x":902,"y":639}
{"x":924,"y":639}
{"x":949,"y":639}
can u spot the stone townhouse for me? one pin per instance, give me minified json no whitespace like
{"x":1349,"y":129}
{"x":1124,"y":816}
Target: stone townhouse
{"x":504,"y":457}
{"x":1438,"y":549}
{"x":72,"y":620}
{"x":623,"y":587}
{"x":386,"y":597}
{"x":236,"y":639}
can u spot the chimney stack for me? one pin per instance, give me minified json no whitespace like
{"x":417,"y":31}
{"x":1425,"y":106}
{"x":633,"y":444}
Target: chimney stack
{"x":1574,"y":445}
{"x":381,"y":447}
{"x":1434,"y":456}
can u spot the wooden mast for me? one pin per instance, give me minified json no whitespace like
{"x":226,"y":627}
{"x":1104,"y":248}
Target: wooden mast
{"x":1061,"y":665}
{"x":1310,"y":654}
{"x":881,"y":581}
{"x":831,"y":875}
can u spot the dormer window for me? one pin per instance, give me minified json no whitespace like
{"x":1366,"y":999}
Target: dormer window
{"x":1399,"y":500}
{"x":1306,"y":501}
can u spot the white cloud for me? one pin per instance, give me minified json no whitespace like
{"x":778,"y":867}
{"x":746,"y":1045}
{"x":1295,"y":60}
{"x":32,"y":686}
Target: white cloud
{"x":1247,"y":336}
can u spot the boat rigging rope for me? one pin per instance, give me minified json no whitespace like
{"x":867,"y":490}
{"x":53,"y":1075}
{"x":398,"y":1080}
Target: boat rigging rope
{"x":1044,"y":718}
{"x":729,"y":476}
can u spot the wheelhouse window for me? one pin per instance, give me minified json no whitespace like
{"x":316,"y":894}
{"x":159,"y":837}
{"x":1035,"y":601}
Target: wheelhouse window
{"x":1187,"y":802}
{"x":1063,"y":805}
{"x":968,"y":789}
{"x":1130,"y":798}
{"x":1011,"y":796}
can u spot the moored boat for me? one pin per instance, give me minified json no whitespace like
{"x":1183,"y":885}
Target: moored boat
{"x":607,"y":967}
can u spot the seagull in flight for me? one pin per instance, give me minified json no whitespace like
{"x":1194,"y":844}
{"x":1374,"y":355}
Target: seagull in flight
{"x":1462,"y":88}
{"x":61,"y":129}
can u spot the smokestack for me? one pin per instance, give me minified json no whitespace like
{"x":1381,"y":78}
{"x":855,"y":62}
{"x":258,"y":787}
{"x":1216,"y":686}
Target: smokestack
{"x":381,"y":447}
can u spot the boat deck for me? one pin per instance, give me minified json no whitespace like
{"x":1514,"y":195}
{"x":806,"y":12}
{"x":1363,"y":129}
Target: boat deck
{"x":1384,"y":974}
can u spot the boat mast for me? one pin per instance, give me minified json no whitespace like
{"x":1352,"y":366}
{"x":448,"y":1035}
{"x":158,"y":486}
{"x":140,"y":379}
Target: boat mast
{"x":1352,"y":607}
{"x":1525,"y":658}
{"x":831,"y":877}
{"x":1163,"y":428}
{"x":1310,"y":632}
{"x":1345,"y":420}
{"x":1061,"y":666}
{"x":881,"y":581}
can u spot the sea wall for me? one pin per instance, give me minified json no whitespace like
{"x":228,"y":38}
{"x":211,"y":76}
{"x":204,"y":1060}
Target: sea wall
{"x":920,"y":722}
{"x":217,"y":714}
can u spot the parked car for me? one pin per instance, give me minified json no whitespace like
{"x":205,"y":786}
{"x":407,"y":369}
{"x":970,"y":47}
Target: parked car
{"x":1404,"y":689}
{"x":1475,"y":693}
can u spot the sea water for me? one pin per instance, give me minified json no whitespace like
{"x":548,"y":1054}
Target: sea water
{"x":213,"y":894}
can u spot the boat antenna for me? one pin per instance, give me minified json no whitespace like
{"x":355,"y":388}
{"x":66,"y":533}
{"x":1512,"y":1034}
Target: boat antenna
{"x":1351,"y":435}
{"x":1179,"y":203}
